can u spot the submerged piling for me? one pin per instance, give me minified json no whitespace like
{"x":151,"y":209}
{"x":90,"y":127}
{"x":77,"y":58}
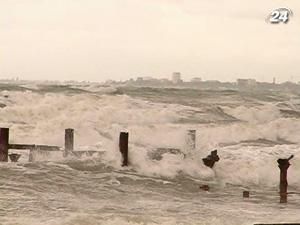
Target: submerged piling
{"x":283,"y":165}
{"x":211,"y":159}
{"x":246,"y":194}
{"x":123,"y":145}
{"x":204,"y":187}
{"x":4,"y":145}
{"x":14,"y":157}
{"x":69,"y":141}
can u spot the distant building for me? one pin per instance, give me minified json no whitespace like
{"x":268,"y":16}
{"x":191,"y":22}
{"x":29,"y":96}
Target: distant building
{"x":109,"y":82}
{"x":150,"y":81}
{"x":176,"y":78}
{"x":139,"y":79}
{"x":144,"y":79}
{"x":246,"y":82}
{"x":147,"y":78}
{"x":164,"y":80}
{"x":196,"y":80}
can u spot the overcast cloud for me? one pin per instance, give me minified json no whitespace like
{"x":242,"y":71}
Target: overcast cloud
{"x":118,"y":39}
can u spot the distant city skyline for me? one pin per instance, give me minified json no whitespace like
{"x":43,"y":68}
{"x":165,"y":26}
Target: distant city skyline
{"x":98,"y":40}
{"x":169,"y":78}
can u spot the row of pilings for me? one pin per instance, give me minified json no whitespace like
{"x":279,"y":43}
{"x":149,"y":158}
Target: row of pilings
{"x":209,"y":161}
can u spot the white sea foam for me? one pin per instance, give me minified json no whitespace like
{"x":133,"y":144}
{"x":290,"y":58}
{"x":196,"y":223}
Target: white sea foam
{"x":37,"y":118}
{"x":88,"y":220}
{"x":97,"y":190}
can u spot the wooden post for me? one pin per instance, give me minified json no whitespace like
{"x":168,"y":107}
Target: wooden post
{"x":69,"y":141}
{"x":4,"y":138}
{"x":123,"y":145}
{"x":191,"y":139}
{"x":283,"y":165}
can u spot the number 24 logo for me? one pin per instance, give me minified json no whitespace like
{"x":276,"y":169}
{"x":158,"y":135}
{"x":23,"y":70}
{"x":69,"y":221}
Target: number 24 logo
{"x":280,"y":15}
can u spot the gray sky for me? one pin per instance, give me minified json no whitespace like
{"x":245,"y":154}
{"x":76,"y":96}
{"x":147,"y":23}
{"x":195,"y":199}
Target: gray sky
{"x":118,"y":39}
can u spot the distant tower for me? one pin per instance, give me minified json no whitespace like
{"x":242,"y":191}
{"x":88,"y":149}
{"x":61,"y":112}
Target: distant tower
{"x":274,"y":80}
{"x":176,"y":78}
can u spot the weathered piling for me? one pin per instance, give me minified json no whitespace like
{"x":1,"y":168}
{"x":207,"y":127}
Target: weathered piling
{"x":4,"y":138}
{"x":14,"y":157}
{"x":283,"y":165}
{"x":69,"y":141}
{"x":204,"y":187}
{"x":123,"y":146}
{"x":246,"y":194}
{"x":211,"y":159}
{"x":191,"y":139}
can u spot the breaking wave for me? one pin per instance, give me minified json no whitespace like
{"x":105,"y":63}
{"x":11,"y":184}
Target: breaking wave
{"x":245,"y":129}
{"x":161,"y":185}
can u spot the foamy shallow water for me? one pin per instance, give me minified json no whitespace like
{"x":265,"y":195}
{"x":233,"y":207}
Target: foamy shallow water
{"x":250,"y":132}
{"x":88,"y":192}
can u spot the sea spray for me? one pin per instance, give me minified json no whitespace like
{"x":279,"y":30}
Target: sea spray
{"x":250,"y":133}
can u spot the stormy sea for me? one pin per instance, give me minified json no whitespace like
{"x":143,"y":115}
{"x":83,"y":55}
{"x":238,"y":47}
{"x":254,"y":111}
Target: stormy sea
{"x":250,"y":129}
